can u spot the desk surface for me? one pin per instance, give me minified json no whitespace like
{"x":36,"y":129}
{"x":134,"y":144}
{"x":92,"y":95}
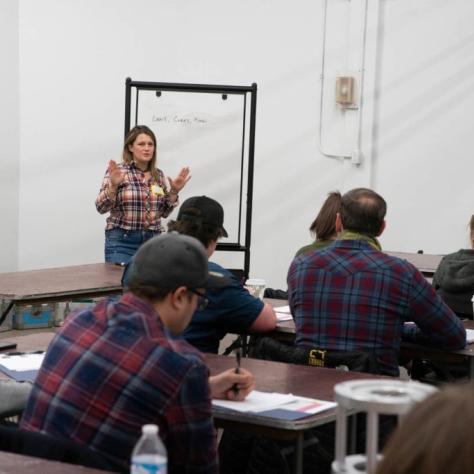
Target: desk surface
{"x":301,"y":380}
{"x":17,"y":463}
{"x":425,"y":262}
{"x":94,"y":279}
{"x":313,"y":382}
{"x":31,"y":342}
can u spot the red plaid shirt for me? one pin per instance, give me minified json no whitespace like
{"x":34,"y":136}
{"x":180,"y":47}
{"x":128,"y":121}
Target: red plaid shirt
{"x":351,"y":297}
{"x":139,"y":204}
{"x":114,"y":368}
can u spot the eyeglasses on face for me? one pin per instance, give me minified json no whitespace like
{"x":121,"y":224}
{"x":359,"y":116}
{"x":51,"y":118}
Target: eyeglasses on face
{"x":202,"y":301}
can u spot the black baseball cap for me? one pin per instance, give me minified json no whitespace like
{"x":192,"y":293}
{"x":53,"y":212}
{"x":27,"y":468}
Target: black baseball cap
{"x":172,"y":260}
{"x":203,"y":208}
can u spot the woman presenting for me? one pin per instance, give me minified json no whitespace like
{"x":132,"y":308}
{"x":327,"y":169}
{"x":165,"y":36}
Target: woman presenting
{"x":136,"y":195}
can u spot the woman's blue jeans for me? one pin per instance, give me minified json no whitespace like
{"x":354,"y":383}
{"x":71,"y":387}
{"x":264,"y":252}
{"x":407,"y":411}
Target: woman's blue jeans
{"x":121,"y":245}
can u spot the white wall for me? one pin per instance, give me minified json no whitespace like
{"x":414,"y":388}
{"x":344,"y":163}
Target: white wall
{"x":74,"y":56}
{"x":425,"y":153}
{"x":9,"y":135}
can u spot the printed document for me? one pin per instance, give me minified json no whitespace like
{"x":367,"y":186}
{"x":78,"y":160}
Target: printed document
{"x":263,"y":401}
{"x":283,"y":313}
{"x":22,"y":362}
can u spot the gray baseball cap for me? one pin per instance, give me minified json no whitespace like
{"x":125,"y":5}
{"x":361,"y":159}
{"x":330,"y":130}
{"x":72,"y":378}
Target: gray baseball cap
{"x":173,"y":260}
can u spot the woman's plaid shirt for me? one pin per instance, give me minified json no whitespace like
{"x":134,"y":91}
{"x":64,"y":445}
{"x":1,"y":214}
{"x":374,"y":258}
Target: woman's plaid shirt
{"x":139,"y":204}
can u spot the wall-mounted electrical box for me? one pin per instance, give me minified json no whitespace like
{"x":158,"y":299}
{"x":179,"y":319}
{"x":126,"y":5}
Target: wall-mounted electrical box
{"x":345,"y":91}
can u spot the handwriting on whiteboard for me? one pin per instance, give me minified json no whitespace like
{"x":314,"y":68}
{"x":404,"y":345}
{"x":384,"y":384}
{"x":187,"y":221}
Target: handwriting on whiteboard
{"x":185,"y":120}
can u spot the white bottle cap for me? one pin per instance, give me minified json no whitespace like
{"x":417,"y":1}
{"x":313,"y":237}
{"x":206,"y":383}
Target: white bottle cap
{"x":150,"y":429}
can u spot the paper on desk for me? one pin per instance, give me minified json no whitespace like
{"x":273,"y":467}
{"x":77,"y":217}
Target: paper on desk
{"x":257,"y":401}
{"x":22,"y":362}
{"x":310,"y":405}
{"x":283,"y":316}
{"x":277,"y":405}
{"x":300,"y":408}
{"x":283,"y":313}
{"x":469,"y":336}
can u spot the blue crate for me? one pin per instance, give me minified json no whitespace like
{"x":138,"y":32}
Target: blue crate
{"x":33,"y":316}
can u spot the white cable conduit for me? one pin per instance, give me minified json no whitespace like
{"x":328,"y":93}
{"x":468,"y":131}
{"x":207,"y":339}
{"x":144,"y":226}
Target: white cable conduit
{"x":355,"y":156}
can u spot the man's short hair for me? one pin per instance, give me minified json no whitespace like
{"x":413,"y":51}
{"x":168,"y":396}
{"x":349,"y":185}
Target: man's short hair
{"x":203,"y":232}
{"x":148,"y":292}
{"x":363,"y":211}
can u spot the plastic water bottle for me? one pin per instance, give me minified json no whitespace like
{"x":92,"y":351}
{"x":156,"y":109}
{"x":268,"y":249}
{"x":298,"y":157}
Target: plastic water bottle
{"x":149,"y":455}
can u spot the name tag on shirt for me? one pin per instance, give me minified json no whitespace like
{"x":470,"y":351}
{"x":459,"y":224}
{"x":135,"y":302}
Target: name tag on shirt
{"x":157,"y":190}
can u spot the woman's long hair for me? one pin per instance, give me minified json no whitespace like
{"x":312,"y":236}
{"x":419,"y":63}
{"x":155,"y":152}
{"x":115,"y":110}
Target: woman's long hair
{"x":324,"y":226}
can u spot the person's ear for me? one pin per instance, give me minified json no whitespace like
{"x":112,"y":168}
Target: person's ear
{"x":179,"y":297}
{"x":338,"y":224}
{"x":382,"y":228}
{"x":211,"y":248}
{"x":174,"y":310}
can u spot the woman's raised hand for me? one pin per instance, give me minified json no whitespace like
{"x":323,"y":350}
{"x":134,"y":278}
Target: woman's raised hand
{"x":115,"y":173}
{"x":180,"y":181}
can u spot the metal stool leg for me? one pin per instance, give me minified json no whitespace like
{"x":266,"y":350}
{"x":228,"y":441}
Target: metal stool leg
{"x":372,"y":441}
{"x":341,"y":436}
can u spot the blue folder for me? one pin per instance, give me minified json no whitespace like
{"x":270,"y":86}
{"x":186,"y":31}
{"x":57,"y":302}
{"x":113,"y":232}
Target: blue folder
{"x":282,"y":414}
{"x":20,"y":376}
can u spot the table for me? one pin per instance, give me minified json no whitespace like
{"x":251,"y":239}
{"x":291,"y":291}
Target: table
{"x":313,"y":382}
{"x":425,"y":262}
{"x":19,"y":464}
{"x":59,"y":284}
{"x":285,"y":331}
{"x":29,"y":343}
{"x":32,"y":342}
{"x":302,"y":380}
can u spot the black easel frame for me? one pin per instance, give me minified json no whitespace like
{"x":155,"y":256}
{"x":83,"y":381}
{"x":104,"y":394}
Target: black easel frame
{"x":216,"y":89}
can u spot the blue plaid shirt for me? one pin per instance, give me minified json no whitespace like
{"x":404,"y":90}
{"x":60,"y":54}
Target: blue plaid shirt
{"x":111,"y":370}
{"x":351,"y":297}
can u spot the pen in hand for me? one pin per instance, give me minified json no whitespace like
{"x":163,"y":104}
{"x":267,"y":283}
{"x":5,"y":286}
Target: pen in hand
{"x":238,"y":355}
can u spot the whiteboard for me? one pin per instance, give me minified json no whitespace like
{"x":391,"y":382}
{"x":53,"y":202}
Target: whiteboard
{"x":207,"y":131}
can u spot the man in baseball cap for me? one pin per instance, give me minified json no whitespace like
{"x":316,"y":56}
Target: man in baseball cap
{"x":204,"y":210}
{"x":121,"y":364}
{"x":231,"y":308}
